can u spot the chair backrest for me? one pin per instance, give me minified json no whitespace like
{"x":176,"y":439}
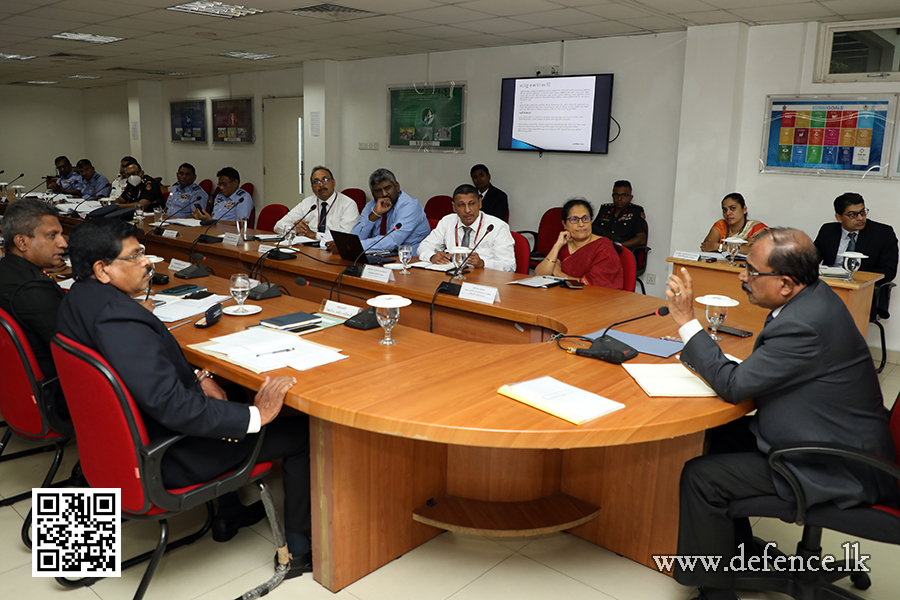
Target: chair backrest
{"x":251,"y":222}
{"x":438,"y":206}
{"x":522,"y":252}
{"x":548,"y":230}
{"x":358,"y":195}
{"x":628,"y":268}
{"x":433,"y":223}
{"x":270,"y":215}
{"x":19,"y":389}
{"x":248,"y":187}
{"x":207,"y":186}
{"x":108,"y":425}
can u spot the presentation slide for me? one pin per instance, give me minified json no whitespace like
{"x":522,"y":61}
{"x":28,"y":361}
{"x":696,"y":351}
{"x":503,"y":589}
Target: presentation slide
{"x":554,"y":114}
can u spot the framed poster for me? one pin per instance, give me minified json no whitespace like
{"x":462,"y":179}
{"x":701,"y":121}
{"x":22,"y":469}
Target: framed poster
{"x":233,"y":121}
{"x":829,"y":134}
{"x":188,"y":120}
{"x":430,"y":116}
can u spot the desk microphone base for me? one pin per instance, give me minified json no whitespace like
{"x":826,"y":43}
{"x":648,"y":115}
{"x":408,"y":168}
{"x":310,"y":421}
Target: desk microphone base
{"x":451,"y":289}
{"x":279,"y":255}
{"x":209,"y":239}
{"x":264,"y":291}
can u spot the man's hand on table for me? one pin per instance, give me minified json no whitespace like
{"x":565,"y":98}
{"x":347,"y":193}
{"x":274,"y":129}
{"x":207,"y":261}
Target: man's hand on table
{"x":270,"y":397}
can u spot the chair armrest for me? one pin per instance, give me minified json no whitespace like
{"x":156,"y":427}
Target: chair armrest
{"x":151,"y":471}
{"x":533,"y":235}
{"x":777,"y":455}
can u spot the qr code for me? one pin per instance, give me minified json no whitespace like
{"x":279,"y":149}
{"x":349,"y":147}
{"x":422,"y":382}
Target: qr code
{"x":76,"y":532}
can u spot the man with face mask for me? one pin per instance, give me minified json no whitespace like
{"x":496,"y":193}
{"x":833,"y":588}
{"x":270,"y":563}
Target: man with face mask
{"x":118,"y":184}
{"x":141,"y":190}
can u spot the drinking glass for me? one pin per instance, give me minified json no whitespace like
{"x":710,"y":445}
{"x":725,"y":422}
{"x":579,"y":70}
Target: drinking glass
{"x":158,"y":215}
{"x":138,"y":213}
{"x":387,"y":318}
{"x":405,"y":255}
{"x":852,"y":265}
{"x":459,"y":261}
{"x":715,"y":315}
{"x":19,"y":191}
{"x":3,"y":192}
{"x":242,"y":228}
{"x":734,"y":246}
{"x":240,"y":289}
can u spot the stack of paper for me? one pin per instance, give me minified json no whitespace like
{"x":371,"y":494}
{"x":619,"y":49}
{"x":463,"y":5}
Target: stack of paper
{"x":176,"y":309}
{"x":264,"y":350}
{"x":670,"y":379}
{"x":560,"y":399}
{"x":424,"y":264}
{"x":539,"y":281}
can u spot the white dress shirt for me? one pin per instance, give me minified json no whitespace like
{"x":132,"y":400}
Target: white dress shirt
{"x":497,"y":249}
{"x":342,"y":214}
{"x":842,"y":247}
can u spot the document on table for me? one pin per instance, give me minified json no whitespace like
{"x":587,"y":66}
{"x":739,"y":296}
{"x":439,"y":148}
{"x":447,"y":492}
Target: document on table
{"x":424,"y":264}
{"x":185,"y":222}
{"x":643,"y":344}
{"x":86,"y":207}
{"x":670,"y":379}
{"x":263,"y":350}
{"x":560,"y":399}
{"x":539,"y":281}
{"x":176,"y":309}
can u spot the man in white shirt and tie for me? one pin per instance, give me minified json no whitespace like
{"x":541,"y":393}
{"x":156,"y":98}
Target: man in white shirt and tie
{"x":325,"y":210}
{"x":467,"y":226}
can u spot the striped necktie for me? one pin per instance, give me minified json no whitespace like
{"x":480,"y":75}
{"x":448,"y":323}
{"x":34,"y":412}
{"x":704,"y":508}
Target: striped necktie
{"x":851,"y":247}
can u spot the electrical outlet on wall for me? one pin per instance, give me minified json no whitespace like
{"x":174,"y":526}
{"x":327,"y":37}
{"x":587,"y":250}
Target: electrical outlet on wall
{"x":651,"y":278}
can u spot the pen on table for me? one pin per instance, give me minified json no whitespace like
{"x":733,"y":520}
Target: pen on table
{"x":275,"y":352}
{"x":180,"y":324}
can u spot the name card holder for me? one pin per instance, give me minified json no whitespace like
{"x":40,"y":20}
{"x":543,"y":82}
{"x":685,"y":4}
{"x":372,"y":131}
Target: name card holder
{"x":339,"y":309}
{"x":170,"y":233}
{"x":376,"y":273}
{"x":683,"y":255}
{"x":233,"y":239}
{"x":479,"y":293}
{"x":178,"y":265}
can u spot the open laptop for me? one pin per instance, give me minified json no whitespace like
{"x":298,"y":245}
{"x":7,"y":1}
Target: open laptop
{"x":350,"y":247}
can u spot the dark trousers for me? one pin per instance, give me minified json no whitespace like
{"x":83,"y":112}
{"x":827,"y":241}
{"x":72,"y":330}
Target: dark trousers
{"x":195,"y":460}
{"x":733,"y":469}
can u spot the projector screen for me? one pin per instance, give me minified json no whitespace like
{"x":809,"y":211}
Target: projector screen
{"x":556,"y":114}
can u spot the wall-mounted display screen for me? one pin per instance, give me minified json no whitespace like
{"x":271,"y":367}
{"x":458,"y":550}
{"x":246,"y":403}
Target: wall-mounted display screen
{"x":556,"y":114}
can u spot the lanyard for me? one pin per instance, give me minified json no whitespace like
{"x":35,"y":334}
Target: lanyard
{"x":472,"y":241}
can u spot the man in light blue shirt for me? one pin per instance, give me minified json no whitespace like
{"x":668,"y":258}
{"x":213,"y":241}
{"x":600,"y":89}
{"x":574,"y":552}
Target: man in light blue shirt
{"x":185,"y":194}
{"x":95,"y":184}
{"x":390,"y":208}
{"x":68,"y":181}
{"x":231,"y":203}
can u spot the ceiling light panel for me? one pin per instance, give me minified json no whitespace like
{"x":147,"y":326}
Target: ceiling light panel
{"x":216,"y":9}
{"x":248,"y":55}
{"x":87,"y":37}
{"x":15,"y":56}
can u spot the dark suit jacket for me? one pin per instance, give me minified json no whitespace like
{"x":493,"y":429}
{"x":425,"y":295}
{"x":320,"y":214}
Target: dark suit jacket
{"x":813,"y":379}
{"x":33,"y":299}
{"x":153,"y":368}
{"x":875,"y":240}
{"x":495,"y":202}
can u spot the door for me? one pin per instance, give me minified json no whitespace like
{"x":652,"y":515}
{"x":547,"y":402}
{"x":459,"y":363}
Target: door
{"x":283,"y":151}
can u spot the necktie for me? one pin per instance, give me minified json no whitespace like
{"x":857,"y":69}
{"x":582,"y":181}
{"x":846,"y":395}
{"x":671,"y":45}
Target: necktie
{"x":323,"y":211}
{"x":851,"y":247}
{"x":467,"y":235}
{"x":769,"y":318}
{"x":384,"y":224}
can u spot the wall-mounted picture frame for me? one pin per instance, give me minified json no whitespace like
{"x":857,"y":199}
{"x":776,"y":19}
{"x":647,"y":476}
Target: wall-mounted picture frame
{"x":232,"y":121}
{"x":829,"y":134}
{"x":427,"y":116}
{"x":188,"y":120}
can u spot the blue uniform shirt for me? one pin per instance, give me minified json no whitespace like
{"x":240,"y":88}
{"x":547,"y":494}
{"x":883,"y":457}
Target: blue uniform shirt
{"x":180,"y":202}
{"x":72,"y":181}
{"x":228,"y":209}
{"x":95,"y":187}
{"x":407,"y":211}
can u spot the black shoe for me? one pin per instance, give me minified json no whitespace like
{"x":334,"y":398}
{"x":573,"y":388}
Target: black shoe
{"x":77,"y":479}
{"x":225,"y":529}
{"x":298,"y":566}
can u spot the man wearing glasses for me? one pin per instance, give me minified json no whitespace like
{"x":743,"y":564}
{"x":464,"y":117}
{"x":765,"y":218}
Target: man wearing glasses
{"x":813,"y":380}
{"x":325,"y":210}
{"x":622,"y":221}
{"x":110,"y":268}
{"x":853,"y":232}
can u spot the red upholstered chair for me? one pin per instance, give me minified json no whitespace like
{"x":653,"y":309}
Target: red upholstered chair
{"x":31,"y":413}
{"x":522,"y":252}
{"x":116,"y":452}
{"x":270,"y":215}
{"x":433,"y":223}
{"x":248,"y":187}
{"x":545,"y":236}
{"x":358,"y":195}
{"x":640,"y":264}
{"x":438,"y":206}
{"x":879,"y":523}
{"x":628,"y":268}
{"x":207,"y":186}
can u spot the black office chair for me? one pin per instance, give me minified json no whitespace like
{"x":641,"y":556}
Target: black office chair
{"x":879,"y":523}
{"x":881,"y":304}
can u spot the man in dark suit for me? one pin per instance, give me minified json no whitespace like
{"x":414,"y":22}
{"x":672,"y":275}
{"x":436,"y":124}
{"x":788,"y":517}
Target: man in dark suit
{"x":110,"y":267}
{"x":493,"y":200}
{"x":854,"y":233}
{"x":812,"y":378}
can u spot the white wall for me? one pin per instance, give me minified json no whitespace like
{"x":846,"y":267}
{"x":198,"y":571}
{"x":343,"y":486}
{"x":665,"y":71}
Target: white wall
{"x":106,"y":130}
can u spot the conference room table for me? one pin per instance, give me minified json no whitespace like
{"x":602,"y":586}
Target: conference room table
{"x":721,"y":278}
{"x":413,"y":439}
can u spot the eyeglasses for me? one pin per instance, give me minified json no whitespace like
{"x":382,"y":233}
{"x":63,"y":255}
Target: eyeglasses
{"x":620,"y":196}
{"x":139,"y":255}
{"x":323,"y":181}
{"x":853,"y":215}
{"x":758,"y":274}
{"x":584,"y":219}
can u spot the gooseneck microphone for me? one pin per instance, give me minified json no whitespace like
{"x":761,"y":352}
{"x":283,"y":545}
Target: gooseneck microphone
{"x":276,"y":253}
{"x":74,"y":211}
{"x":43,"y":179}
{"x":610,"y":349}
{"x":453,"y":288}
{"x":262,"y":291}
{"x":21,"y":175}
{"x":354,"y":269}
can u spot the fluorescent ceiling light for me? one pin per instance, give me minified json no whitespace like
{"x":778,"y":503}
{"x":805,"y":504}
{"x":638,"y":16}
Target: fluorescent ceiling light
{"x":83,"y":77}
{"x":169,"y":73}
{"x":216,"y":9}
{"x":88,"y":37}
{"x":15,"y":56}
{"x":37,"y":82}
{"x":248,"y":55}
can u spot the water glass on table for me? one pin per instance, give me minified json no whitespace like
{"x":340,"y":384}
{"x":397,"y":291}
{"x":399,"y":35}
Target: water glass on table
{"x":240,"y":289}
{"x":404,"y":253}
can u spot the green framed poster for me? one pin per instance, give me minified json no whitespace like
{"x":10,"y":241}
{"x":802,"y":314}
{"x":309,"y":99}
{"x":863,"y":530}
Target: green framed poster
{"x":427,"y":116}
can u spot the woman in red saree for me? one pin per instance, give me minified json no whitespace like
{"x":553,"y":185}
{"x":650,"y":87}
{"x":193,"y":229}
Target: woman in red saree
{"x":579,"y":254}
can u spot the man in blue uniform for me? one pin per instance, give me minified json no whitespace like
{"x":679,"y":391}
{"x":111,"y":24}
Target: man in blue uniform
{"x":68,"y":181}
{"x":95,"y":184}
{"x":186,"y":193}
{"x":231,"y":203}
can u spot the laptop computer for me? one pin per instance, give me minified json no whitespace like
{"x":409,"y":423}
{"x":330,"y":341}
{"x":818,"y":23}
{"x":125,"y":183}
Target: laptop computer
{"x":350,"y":247}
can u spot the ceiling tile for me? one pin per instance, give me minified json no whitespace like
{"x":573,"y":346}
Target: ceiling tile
{"x":390,"y":22}
{"x":440,"y":32}
{"x":388,"y":6}
{"x":555,"y":18}
{"x":505,"y":8}
{"x":855,"y":7}
{"x":709,"y":17}
{"x":542,"y":35}
{"x":677,"y":6}
{"x":104,"y":7}
{"x":730,"y":4}
{"x":395,"y":37}
{"x":604,"y":28}
{"x":655,"y":23}
{"x":777,"y":14}
{"x":498,"y":25}
{"x":617,"y":11}
{"x":445,"y":15}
